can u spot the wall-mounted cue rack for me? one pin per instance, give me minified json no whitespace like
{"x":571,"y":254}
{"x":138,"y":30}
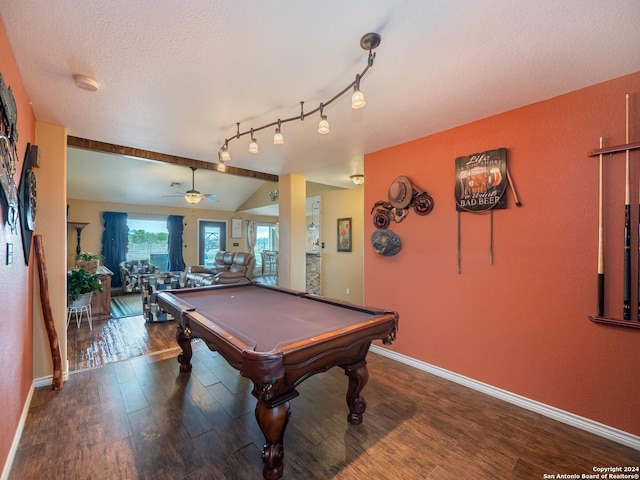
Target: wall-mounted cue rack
{"x":631,"y":317}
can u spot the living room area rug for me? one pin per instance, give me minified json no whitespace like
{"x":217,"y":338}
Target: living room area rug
{"x":126,"y":306}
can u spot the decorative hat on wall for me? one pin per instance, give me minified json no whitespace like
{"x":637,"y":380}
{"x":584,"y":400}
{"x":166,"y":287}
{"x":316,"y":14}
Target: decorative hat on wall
{"x":386,"y":242}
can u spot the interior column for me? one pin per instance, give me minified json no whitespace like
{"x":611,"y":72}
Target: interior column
{"x":292,"y":232}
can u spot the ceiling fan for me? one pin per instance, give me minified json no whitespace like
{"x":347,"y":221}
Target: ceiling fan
{"x":193,"y":196}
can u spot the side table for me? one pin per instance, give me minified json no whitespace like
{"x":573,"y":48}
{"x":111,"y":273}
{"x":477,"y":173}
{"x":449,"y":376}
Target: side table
{"x":101,"y":301}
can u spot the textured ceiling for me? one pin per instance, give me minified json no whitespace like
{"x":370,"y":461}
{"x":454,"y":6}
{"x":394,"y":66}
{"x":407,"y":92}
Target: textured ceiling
{"x":175,"y":77}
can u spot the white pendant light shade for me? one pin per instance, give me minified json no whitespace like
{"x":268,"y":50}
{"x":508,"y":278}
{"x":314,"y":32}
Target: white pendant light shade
{"x":225,"y":156}
{"x":357,"y":99}
{"x":323,"y":126}
{"x":278,"y":139}
{"x":253,"y":146}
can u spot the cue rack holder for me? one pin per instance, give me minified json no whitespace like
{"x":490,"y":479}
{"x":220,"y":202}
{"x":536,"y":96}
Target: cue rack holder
{"x":600,"y":317}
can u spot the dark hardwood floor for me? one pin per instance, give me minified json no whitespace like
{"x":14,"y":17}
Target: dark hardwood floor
{"x":142,"y":419}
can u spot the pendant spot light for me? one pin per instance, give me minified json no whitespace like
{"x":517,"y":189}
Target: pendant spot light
{"x":253,"y":146}
{"x":323,"y":126}
{"x":370,"y":42}
{"x":278,"y":139}
{"x":357,"y":99}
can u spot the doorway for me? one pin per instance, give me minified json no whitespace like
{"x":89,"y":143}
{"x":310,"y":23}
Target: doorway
{"x":212,"y":238}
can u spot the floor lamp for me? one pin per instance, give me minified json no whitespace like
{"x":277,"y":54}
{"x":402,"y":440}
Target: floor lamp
{"x":78,"y":226}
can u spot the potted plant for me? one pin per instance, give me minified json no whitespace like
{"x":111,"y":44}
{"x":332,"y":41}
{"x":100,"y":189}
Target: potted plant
{"x":81,"y":285}
{"x":87,"y":261}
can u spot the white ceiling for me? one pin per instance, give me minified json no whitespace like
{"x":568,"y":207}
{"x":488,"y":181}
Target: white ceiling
{"x":175,"y":77}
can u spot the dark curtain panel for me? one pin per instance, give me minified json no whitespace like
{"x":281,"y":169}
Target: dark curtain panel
{"x":114,"y":243}
{"x":175,"y":227}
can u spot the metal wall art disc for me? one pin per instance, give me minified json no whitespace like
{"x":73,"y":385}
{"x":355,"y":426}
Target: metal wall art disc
{"x":7,"y":171}
{"x":386,"y":242}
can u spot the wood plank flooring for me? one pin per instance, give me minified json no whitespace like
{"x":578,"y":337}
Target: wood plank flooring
{"x":115,"y":340}
{"x":143,"y":419}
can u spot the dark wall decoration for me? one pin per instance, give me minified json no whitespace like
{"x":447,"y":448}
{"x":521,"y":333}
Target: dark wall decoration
{"x":8,"y":155}
{"x":403,"y":195}
{"x":27,"y":200}
{"x":481,"y":181}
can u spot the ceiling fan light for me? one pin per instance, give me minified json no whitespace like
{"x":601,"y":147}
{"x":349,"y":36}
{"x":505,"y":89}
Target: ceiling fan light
{"x":323,"y":126}
{"x":193,"y":197}
{"x":357,"y":99}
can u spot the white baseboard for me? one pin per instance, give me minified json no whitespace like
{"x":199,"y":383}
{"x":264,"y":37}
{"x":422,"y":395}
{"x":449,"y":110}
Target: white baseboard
{"x":16,"y":438}
{"x":582,"y":423}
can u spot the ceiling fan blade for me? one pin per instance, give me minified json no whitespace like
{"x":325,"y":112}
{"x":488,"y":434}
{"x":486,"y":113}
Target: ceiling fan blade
{"x":210,"y":197}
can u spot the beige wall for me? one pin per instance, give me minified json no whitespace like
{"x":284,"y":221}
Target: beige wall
{"x":343,"y":270}
{"x":50,"y":223}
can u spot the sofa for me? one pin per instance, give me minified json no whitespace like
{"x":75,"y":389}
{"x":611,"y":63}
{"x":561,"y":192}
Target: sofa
{"x":227,"y":268}
{"x":132,"y":272}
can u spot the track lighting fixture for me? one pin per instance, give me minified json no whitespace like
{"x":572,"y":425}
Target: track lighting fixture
{"x":225,"y":156}
{"x":370,"y":42}
{"x":357,"y":99}
{"x":278,"y":139}
{"x":253,"y":146}
{"x":323,"y":126}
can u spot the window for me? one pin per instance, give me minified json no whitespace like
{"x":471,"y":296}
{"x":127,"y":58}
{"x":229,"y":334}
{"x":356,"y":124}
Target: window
{"x":148,"y":241}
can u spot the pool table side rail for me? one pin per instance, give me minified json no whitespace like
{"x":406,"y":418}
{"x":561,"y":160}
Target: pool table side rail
{"x":346,"y":346}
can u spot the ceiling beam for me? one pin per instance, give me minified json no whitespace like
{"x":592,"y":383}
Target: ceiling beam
{"x":96,"y":146}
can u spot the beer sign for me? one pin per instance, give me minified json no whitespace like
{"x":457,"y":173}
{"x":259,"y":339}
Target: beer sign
{"x":481,"y":181}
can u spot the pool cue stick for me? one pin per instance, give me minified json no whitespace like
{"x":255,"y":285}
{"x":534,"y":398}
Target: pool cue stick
{"x":626,"y":287}
{"x":601,"y":245}
{"x":513,"y":189}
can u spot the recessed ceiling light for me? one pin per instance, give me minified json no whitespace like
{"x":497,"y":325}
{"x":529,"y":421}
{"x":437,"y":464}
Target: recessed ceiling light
{"x":86,"y":83}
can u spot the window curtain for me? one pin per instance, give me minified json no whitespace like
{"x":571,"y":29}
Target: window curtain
{"x":114,"y":243}
{"x":174,"y":250}
{"x":252,"y":226}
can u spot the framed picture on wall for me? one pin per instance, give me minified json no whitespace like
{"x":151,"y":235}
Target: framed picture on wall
{"x":344,"y":234}
{"x":236,"y":228}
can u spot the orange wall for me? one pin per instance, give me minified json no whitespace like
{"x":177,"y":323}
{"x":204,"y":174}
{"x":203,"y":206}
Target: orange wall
{"x":15,"y":280}
{"x":519,"y":324}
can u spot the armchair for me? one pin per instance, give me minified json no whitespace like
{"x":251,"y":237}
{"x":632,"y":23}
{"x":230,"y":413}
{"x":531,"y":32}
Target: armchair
{"x":131,"y":273}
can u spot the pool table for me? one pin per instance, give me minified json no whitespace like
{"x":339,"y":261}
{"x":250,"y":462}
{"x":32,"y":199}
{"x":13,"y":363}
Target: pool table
{"x":277,"y":338}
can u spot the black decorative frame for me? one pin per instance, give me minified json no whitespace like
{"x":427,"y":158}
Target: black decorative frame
{"x":27,"y":202}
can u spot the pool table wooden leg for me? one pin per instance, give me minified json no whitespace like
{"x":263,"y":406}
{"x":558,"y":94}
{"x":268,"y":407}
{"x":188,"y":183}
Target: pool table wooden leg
{"x":184,"y":340}
{"x":358,"y":376}
{"x":273,"y":421}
